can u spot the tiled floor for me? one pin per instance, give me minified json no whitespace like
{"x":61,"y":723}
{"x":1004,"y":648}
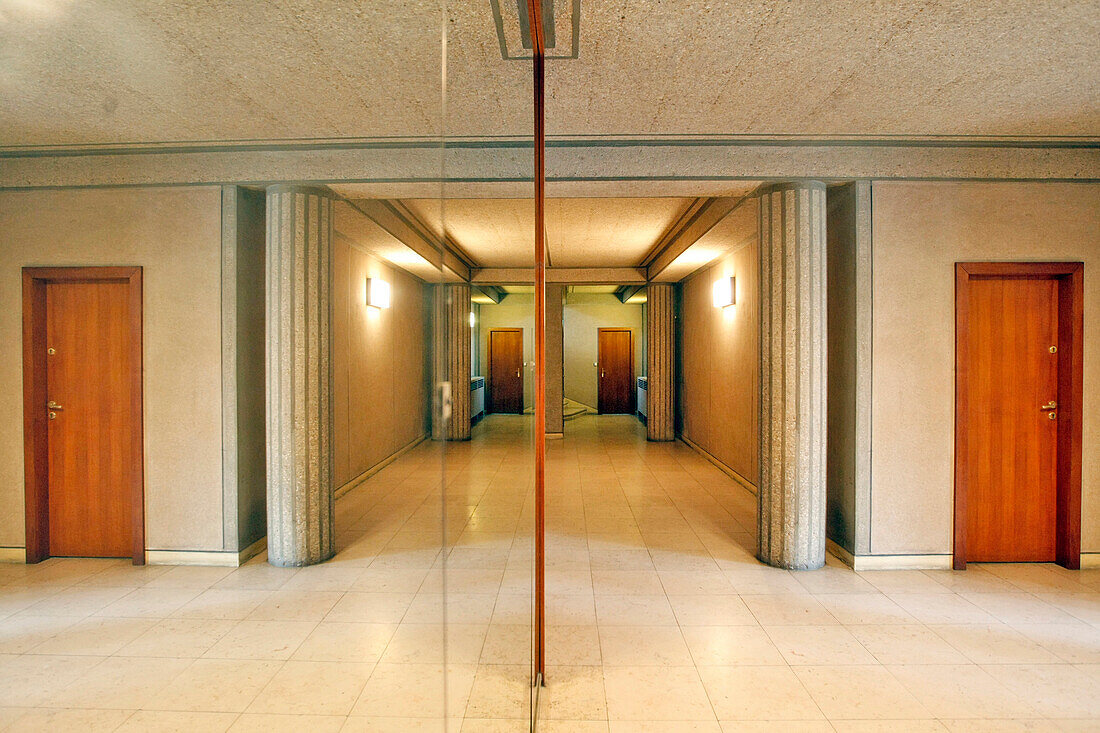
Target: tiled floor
{"x":659,"y":618}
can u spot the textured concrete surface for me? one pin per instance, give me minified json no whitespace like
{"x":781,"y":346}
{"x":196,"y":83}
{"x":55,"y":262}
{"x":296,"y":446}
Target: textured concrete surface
{"x":451,"y":358}
{"x":301,"y":526}
{"x":174,"y":234}
{"x":121,"y":72}
{"x":920,"y":231}
{"x":661,"y":361}
{"x":793,"y":376}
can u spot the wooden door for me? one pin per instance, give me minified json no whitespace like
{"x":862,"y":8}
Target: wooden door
{"x":615,"y":371}
{"x":82,"y":412}
{"x":1012,"y":446}
{"x":88,"y":376}
{"x":505,"y":385}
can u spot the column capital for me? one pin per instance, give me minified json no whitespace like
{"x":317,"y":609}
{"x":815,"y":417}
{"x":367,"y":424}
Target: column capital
{"x":303,"y":188}
{"x":806,"y":185}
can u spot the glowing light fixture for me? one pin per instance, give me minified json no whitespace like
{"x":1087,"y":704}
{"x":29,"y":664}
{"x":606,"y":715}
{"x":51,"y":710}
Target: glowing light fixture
{"x":378,"y":293}
{"x":473,"y":319}
{"x":725,"y":292}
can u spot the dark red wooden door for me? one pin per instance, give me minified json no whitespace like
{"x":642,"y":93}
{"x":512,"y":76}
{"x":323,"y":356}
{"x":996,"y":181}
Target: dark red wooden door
{"x":505,"y":371}
{"x":1011,"y":504}
{"x":616,"y":391}
{"x":89,"y":378}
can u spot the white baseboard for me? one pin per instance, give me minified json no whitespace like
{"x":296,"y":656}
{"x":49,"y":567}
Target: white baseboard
{"x":1090,"y":560}
{"x":13,"y":554}
{"x":206,"y":557}
{"x":861,"y":563}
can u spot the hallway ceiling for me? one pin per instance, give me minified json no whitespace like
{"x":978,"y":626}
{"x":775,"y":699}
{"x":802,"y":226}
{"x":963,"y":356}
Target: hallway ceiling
{"x":605,"y":232}
{"x":117,"y":71}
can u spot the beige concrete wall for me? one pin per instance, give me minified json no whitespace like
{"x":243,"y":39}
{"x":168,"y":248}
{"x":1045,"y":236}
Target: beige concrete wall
{"x":584,"y":314}
{"x":920,"y":231}
{"x":720,"y":363}
{"x":174,"y":234}
{"x":380,"y":362}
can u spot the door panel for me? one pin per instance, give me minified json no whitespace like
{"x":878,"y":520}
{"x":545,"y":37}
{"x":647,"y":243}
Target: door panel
{"x":506,"y":371}
{"x":615,"y":374}
{"x":88,"y":373}
{"x":1012,"y":443}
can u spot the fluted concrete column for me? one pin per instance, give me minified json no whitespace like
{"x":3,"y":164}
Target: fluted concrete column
{"x":555,"y":374}
{"x":300,"y":475}
{"x":451,"y":349}
{"x":793,"y":351}
{"x":660,"y":361}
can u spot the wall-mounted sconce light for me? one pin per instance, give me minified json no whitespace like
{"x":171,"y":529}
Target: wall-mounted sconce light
{"x":473,"y":319}
{"x":725,"y":291}
{"x":378,"y":293}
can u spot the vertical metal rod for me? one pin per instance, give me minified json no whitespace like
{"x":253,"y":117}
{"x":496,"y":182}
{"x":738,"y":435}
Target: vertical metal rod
{"x":534,"y":14}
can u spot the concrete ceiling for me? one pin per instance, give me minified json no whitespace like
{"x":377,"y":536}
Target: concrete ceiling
{"x":603,"y":232}
{"x":118,"y":71}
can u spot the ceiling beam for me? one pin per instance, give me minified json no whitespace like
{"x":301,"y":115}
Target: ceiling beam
{"x":414,"y":234}
{"x":699,"y":218}
{"x":492,"y":292}
{"x":569,"y":275}
{"x":626,"y":292}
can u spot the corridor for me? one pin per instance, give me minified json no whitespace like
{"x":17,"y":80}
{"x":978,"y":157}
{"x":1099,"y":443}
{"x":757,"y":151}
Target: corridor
{"x":659,"y":617}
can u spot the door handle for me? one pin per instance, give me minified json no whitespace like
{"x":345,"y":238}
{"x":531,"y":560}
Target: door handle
{"x":51,"y":405}
{"x":1052,"y":405}
{"x":601,"y":374}
{"x":517,"y":374}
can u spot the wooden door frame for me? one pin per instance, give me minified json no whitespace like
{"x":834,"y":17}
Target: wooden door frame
{"x":1070,"y":278}
{"x":599,"y":362}
{"x":489,"y":366}
{"x":35,"y":445}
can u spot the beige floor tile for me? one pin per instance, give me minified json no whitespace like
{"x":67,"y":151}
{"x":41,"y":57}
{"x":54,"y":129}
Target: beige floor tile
{"x":189,"y":576}
{"x":461,"y":608}
{"x":159,"y":721}
{"x":94,"y":636}
{"x":788,"y":610}
{"x":626,"y":582}
{"x":334,"y":641}
{"x":266,"y":723}
{"x":634,"y":610}
{"x":120,"y":683}
{"x":695,"y":582}
{"x":215,"y":685}
{"x":1073,"y":643}
{"x":573,"y":693}
{"x":505,"y":644}
{"x":864,"y":608}
{"x":79,"y":601}
{"x":860,"y":693}
{"x":33,"y":680}
{"x":47,"y":720}
{"x":758,"y":693}
{"x":313,"y":688}
{"x":21,"y":633}
{"x":500,"y":691}
{"x":178,"y":637}
{"x":889,"y":726}
{"x":1052,"y":690}
{"x":257,"y":575}
{"x":295,"y":605}
{"x":776,"y":726}
{"x":960,"y":691}
{"x":912,"y":644}
{"x":424,"y":644}
{"x":378,"y":580}
{"x":655,"y":694}
{"x":1019,"y":608}
{"x":730,"y":645}
{"x":569,"y":610}
{"x":261,"y":640}
{"x":641,"y":646}
{"x":414,"y":691}
{"x":373,"y":608}
{"x":223,"y":603}
{"x":994,"y":644}
{"x":150,"y":602}
{"x":385,"y":724}
{"x":573,"y":645}
{"x":711,"y":610}
{"x":818,"y":645}
{"x":941,"y":608}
